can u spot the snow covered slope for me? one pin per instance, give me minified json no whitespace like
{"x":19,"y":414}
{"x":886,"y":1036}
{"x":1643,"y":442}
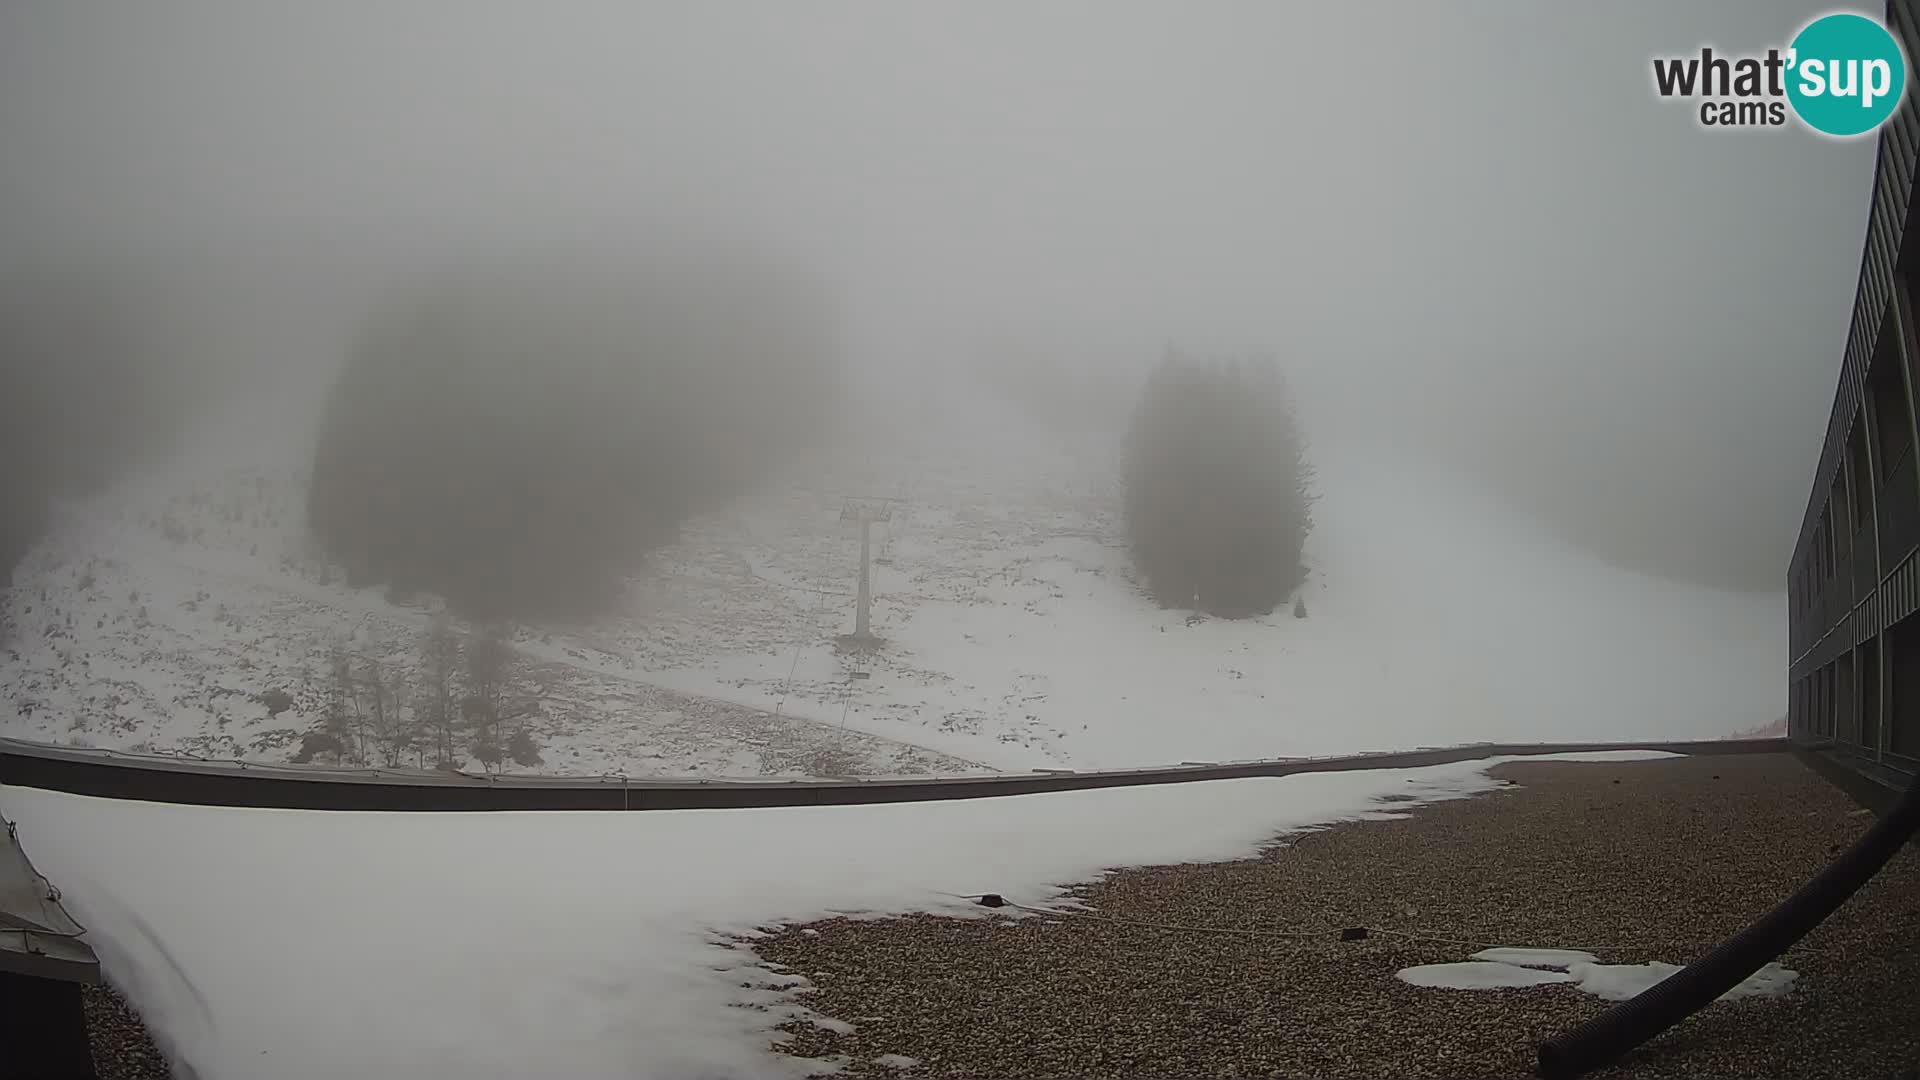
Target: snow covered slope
{"x":160,"y":616}
{"x":1435,"y":614}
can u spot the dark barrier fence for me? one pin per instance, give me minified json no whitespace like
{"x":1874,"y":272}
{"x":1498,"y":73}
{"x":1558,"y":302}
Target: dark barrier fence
{"x":113,"y":775}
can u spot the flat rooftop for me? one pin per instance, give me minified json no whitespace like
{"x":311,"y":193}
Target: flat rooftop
{"x":1183,"y":970}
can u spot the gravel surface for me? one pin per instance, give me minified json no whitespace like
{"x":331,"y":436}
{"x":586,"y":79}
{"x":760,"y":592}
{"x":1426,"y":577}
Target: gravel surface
{"x":1640,"y":861}
{"x":122,"y":1049}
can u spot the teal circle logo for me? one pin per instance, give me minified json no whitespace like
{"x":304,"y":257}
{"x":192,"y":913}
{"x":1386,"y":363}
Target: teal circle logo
{"x":1846,"y":74}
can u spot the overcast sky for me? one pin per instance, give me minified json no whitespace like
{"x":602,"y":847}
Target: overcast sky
{"x":1468,"y":228}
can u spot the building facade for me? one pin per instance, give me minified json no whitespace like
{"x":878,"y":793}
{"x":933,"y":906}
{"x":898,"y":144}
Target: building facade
{"x":1853,"y":586}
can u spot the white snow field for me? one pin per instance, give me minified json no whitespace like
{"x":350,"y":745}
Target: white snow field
{"x":287,"y":945}
{"x":158,"y":615}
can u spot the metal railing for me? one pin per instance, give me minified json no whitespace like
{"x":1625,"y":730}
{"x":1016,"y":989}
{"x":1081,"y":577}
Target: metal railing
{"x":174,"y":778}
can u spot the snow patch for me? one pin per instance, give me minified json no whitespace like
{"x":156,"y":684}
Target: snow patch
{"x":1618,"y":982}
{"x":1474,"y":975}
{"x":1555,"y":959}
{"x":1492,"y":969}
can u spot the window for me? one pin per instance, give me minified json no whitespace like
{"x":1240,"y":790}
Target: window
{"x":1823,"y":725}
{"x":1816,"y":702}
{"x":1826,"y":545}
{"x":1892,"y":416}
{"x":1857,"y":475}
{"x":1842,"y":512}
{"x":1817,"y":559}
{"x":1866,"y":731}
{"x":1903,"y":694}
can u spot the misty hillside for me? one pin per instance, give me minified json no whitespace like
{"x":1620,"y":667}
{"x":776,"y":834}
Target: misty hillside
{"x":355,"y":269}
{"x":165,"y":613}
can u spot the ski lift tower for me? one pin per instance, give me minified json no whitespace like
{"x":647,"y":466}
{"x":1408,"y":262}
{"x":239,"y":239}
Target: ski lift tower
{"x":864,"y":512}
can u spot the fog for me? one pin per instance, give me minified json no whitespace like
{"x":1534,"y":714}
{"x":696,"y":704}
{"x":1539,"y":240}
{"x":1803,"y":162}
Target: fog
{"x":1468,"y":233}
{"x":541,"y":392}
{"x":513,"y":436}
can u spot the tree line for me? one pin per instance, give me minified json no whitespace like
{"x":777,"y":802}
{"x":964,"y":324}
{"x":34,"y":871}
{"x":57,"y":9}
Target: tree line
{"x":463,"y":696}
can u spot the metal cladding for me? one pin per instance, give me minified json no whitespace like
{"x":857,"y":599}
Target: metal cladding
{"x":1854,"y":582}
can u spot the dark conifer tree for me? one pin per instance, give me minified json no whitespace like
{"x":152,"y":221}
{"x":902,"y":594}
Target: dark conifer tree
{"x":1218,"y":488}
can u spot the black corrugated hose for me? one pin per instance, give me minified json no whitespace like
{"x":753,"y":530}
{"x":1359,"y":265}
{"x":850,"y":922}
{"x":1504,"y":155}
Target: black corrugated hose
{"x":1613,"y":1033}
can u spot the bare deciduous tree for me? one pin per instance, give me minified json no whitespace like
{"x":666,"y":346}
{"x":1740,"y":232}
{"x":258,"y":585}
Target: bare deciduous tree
{"x":346,"y":721}
{"x":434,"y":707}
{"x":391,"y":730}
{"x":489,"y":670}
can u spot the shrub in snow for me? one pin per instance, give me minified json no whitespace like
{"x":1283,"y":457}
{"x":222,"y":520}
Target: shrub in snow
{"x":522,"y":749}
{"x":1218,"y":489}
{"x":832,"y":761}
{"x":317,"y":745}
{"x":486,"y":750}
{"x":1299,"y":607}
